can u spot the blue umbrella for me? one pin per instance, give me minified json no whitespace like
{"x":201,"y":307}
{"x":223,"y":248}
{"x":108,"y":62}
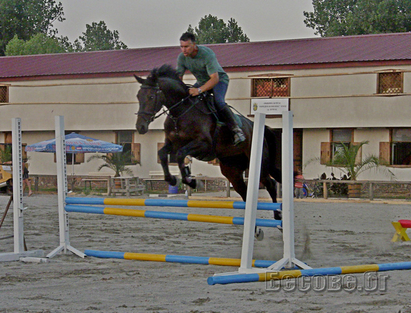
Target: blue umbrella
{"x":76,"y":143}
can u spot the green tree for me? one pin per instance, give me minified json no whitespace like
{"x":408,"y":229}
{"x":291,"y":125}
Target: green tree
{"x":98,"y":37}
{"x":235,"y":33}
{"x":26,"y":18}
{"x":357,"y":17}
{"x":211,"y":29}
{"x":38,"y":44}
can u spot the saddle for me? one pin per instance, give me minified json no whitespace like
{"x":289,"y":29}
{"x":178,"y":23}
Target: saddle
{"x":208,"y":98}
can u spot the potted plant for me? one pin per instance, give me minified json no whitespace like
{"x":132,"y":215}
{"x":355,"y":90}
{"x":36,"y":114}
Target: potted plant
{"x":115,"y":161}
{"x":347,"y":160}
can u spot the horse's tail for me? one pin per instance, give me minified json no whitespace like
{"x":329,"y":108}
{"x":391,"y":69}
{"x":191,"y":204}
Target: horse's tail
{"x":270,"y":137}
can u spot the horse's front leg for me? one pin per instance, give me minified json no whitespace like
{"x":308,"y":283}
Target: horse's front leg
{"x":194,"y":148}
{"x":163,"y":155}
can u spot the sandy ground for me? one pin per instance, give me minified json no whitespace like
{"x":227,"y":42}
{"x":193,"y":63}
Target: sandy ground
{"x":327,"y":234}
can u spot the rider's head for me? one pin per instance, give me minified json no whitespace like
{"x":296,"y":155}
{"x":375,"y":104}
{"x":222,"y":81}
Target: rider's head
{"x":188,"y":44}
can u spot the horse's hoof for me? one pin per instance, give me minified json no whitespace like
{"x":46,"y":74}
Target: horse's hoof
{"x":173,"y":181}
{"x":193,"y":184}
{"x":259,"y":234}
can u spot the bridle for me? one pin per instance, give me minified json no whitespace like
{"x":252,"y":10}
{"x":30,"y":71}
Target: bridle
{"x":151,"y":115}
{"x":167,"y":111}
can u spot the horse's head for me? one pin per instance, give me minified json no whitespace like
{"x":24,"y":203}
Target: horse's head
{"x":151,"y":99}
{"x":162,"y":87}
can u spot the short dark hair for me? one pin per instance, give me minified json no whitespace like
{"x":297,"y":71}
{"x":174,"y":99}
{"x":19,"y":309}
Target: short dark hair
{"x":188,"y":36}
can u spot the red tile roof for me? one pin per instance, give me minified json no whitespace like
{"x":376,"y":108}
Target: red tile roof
{"x":285,"y":53}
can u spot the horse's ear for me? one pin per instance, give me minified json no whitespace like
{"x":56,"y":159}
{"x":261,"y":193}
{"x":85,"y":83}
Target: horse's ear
{"x":139,"y":79}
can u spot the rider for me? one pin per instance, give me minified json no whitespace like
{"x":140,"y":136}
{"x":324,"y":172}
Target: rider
{"x":203,"y":64}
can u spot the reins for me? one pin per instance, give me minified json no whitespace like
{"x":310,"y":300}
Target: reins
{"x":167,"y":110}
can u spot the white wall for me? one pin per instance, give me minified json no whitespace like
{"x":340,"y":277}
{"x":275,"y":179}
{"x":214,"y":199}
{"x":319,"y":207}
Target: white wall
{"x":320,"y":99}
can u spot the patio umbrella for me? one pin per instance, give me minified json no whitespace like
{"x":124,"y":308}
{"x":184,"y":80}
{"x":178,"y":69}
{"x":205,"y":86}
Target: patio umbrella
{"x":76,"y":143}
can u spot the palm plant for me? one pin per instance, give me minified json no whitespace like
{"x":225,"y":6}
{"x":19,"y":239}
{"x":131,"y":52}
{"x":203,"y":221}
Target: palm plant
{"x":5,"y":154}
{"x":347,"y":161}
{"x":115,"y":161}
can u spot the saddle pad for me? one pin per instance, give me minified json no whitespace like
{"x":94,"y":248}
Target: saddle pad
{"x":238,"y":120}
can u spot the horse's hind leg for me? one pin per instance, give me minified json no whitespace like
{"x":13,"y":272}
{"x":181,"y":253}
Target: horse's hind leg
{"x":270,"y":185}
{"x":235,"y":177}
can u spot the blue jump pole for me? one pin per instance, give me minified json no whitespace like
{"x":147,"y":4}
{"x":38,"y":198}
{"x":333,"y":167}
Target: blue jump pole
{"x":173,"y":258}
{"x":169,"y":215}
{"x":172,"y":203}
{"x":268,"y":276}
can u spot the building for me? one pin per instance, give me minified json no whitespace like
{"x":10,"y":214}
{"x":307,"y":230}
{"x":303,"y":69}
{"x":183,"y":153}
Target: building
{"x":341,"y":89}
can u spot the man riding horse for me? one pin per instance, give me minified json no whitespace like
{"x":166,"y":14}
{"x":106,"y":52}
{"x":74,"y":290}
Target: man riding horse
{"x":203,"y":64}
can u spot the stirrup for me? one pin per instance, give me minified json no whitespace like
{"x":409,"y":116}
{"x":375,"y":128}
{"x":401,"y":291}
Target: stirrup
{"x":239,"y":136}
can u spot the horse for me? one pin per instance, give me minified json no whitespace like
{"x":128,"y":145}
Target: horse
{"x":192,"y":129}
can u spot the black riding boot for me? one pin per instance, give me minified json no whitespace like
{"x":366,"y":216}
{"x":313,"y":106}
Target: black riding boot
{"x":228,"y":117}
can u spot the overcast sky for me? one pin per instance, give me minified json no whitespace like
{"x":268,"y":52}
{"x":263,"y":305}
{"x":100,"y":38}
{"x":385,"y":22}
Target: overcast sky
{"x":156,"y":23}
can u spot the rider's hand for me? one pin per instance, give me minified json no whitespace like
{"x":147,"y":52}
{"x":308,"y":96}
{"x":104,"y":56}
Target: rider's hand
{"x":193,"y":92}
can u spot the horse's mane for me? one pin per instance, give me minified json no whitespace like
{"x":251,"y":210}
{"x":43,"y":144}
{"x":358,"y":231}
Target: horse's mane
{"x":164,"y":71}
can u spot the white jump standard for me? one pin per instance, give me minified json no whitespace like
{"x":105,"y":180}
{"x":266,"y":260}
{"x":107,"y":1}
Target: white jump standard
{"x":18,"y":208}
{"x":288,"y":261}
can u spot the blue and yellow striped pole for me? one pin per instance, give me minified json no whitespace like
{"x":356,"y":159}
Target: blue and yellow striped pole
{"x":268,"y":276}
{"x":170,"y":215}
{"x":174,"y":258}
{"x":172,"y":203}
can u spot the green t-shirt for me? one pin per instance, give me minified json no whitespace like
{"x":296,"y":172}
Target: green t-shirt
{"x":201,"y":66}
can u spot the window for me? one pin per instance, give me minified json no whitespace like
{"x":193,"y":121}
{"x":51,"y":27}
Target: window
{"x":390,"y":83}
{"x":338,"y":137}
{"x":6,"y":152}
{"x":401,"y":146}
{"x":126,"y":139}
{"x":271,"y":87}
{"x":4,"y":94}
{"x":398,"y":151}
{"x":75,"y":158}
{"x":6,"y":149}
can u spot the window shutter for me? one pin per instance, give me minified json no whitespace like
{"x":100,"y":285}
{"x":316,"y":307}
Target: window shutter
{"x":135,"y":149}
{"x":8,"y":138}
{"x":385,"y":152}
{"x":325,"y":152}
{"x":79,"y":158}
{"x":23,"y":151}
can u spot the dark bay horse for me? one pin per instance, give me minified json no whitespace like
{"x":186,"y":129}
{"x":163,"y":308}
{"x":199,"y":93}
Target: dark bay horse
{"x":191,"y":129}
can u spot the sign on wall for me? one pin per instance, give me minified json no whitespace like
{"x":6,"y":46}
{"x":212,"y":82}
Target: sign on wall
{"x":271,"y":106}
